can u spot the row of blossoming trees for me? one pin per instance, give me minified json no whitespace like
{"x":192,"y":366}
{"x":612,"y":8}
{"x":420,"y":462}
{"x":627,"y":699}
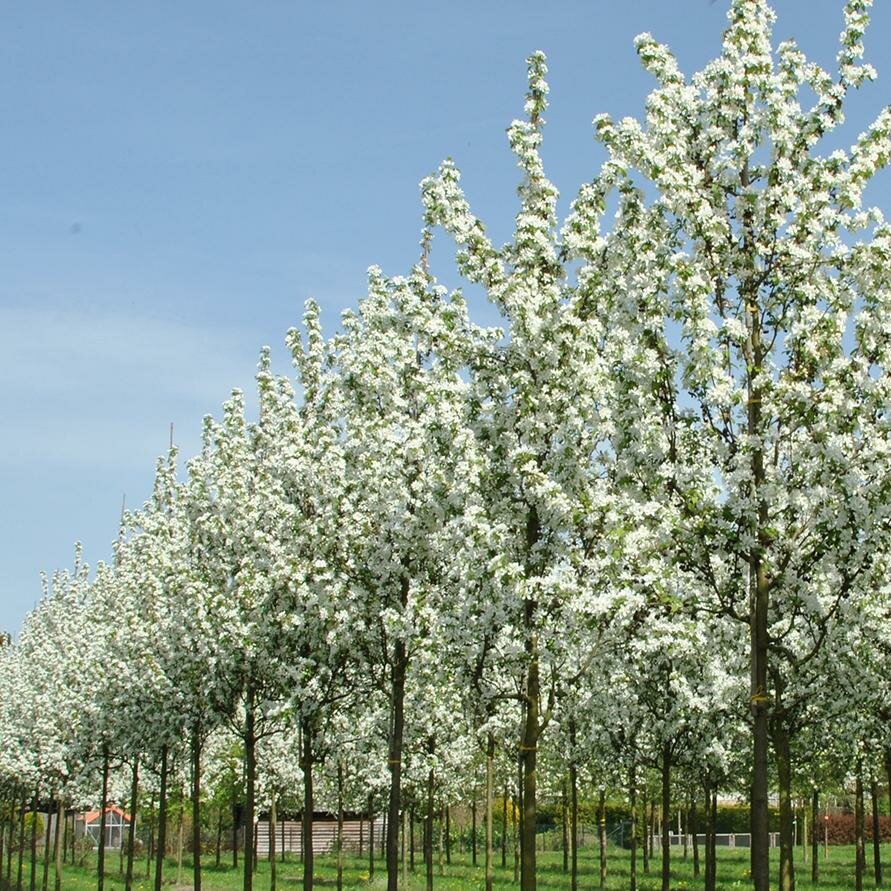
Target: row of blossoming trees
{"x":640,"y":530}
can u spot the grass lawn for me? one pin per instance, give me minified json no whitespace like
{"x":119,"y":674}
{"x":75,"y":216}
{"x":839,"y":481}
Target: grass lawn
{"x":836,"y":873}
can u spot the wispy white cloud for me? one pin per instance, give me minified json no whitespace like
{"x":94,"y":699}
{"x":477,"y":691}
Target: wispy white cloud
{"x":84,"y":388}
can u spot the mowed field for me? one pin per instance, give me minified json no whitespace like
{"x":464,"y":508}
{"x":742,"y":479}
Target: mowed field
{"x":836,"y":873}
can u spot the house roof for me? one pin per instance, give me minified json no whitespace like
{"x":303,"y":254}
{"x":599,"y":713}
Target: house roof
{"x":93,"y":816}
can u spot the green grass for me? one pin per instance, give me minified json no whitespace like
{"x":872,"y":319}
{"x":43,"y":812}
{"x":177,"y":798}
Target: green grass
{"x":836,"y":873}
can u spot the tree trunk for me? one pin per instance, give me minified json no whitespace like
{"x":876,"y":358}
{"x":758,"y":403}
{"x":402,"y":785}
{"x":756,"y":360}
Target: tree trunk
{"x":411,"y":837}
{"x":859,"y":829}
{"x":632,"y":799}
{"x":236,"y":819}
{"x":709,"y":822}
{"x":306,"y":764}
{"x":759,"y":590}
{"x":473,"y":828}
{"x":339,"y":825}
{"x":441,"y":843}
{"x":33,"y":876}
{"x":57,"y":848}
{"x":647,"y":830}
{"x":815,"y":841}
{"x":666,"y":811}
{"x":150,"y":847}
{"x":876,"y":833}
{"x":161,"y":848}
{"x":448,"y":833}
{"x":529,"y":750}
{"x":428,"y":821}
{"x":518,"y":836}
{"x":10,"y":836}
{"x":399,"y":666}
{"x":694,"y":831}
{"x":804,"y":833}
{"x":273,"y":819}
{"x":574,"y":811}
{"x":783,"y":754}
{"x":601,"y":835}
{"x":131,"y":829}
{"x":564,"y":823}
{"x":504,"y":802}
{"x":100,"y":864}
{"x":21,"y":859}
{"x":196,"y":808}
{"x":404,"y":851}
{"x":490,"y":799}
{"x":219,"y":851}
{"x":250,"y":776}
{"x":370,"y":837}
{"x":46,"y":849}
{"x":713,"y":837}
{"x":180,"y":828}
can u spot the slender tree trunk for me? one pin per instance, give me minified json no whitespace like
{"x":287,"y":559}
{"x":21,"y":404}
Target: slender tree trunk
{"x":428,"y":822}
{"x":648,"y":824}
{"x":411,"y":837}
{"x":162,"y":822}
{"x":441,"y":842}
{"x":150,"y":847}
{"x":473,"y":828}
{"x":180,"y":827}
{"x":666,"y":811}
{"x":10,"y":836}
{"x":282,"y":833}
{"x":21,"y":859}
{"x":448,"y":838}
{"x":33,"y":875}
{"x":518,"y":835}
{"x":399,"y":666}
{"x":694,"y":831}
{"x":490,"y":800}
{"x":815,"y":841}
{"x":46,"y":849}
{"x":4,"y":826}
{"x":250,"y":775}
{"x":404,"y":843}
{"x":783,"y":754}
{"x":58,"y":847}
{"x":196,"y":808}
{"x":876,"y":833}
{"x":709,"y":865}
{"x":859,"y":829}
{"x":370,"y":837}
{"x":219,"y":851}
{"x":504,"y":801}
{"x":758,"y":581}
{"x":574,"y":810}
{"x":100,"y":865}
{"x":271,"y":854}
{"x":601,"y":835}
{"x":713,"y":836}
{"x":632,"y":799}
{"x":339,"y":825}
{"x":236,"y":819}
{"x":306,"y":764}
{"x":564,"y":823}
{"x":529,"y":750}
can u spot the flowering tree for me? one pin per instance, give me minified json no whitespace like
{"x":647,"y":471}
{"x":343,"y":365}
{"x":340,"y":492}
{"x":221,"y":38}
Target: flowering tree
{"x":767,"y":427}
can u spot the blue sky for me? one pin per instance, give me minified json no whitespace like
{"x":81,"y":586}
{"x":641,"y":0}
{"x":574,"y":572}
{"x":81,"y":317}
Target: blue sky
{"x":177,"y":178}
